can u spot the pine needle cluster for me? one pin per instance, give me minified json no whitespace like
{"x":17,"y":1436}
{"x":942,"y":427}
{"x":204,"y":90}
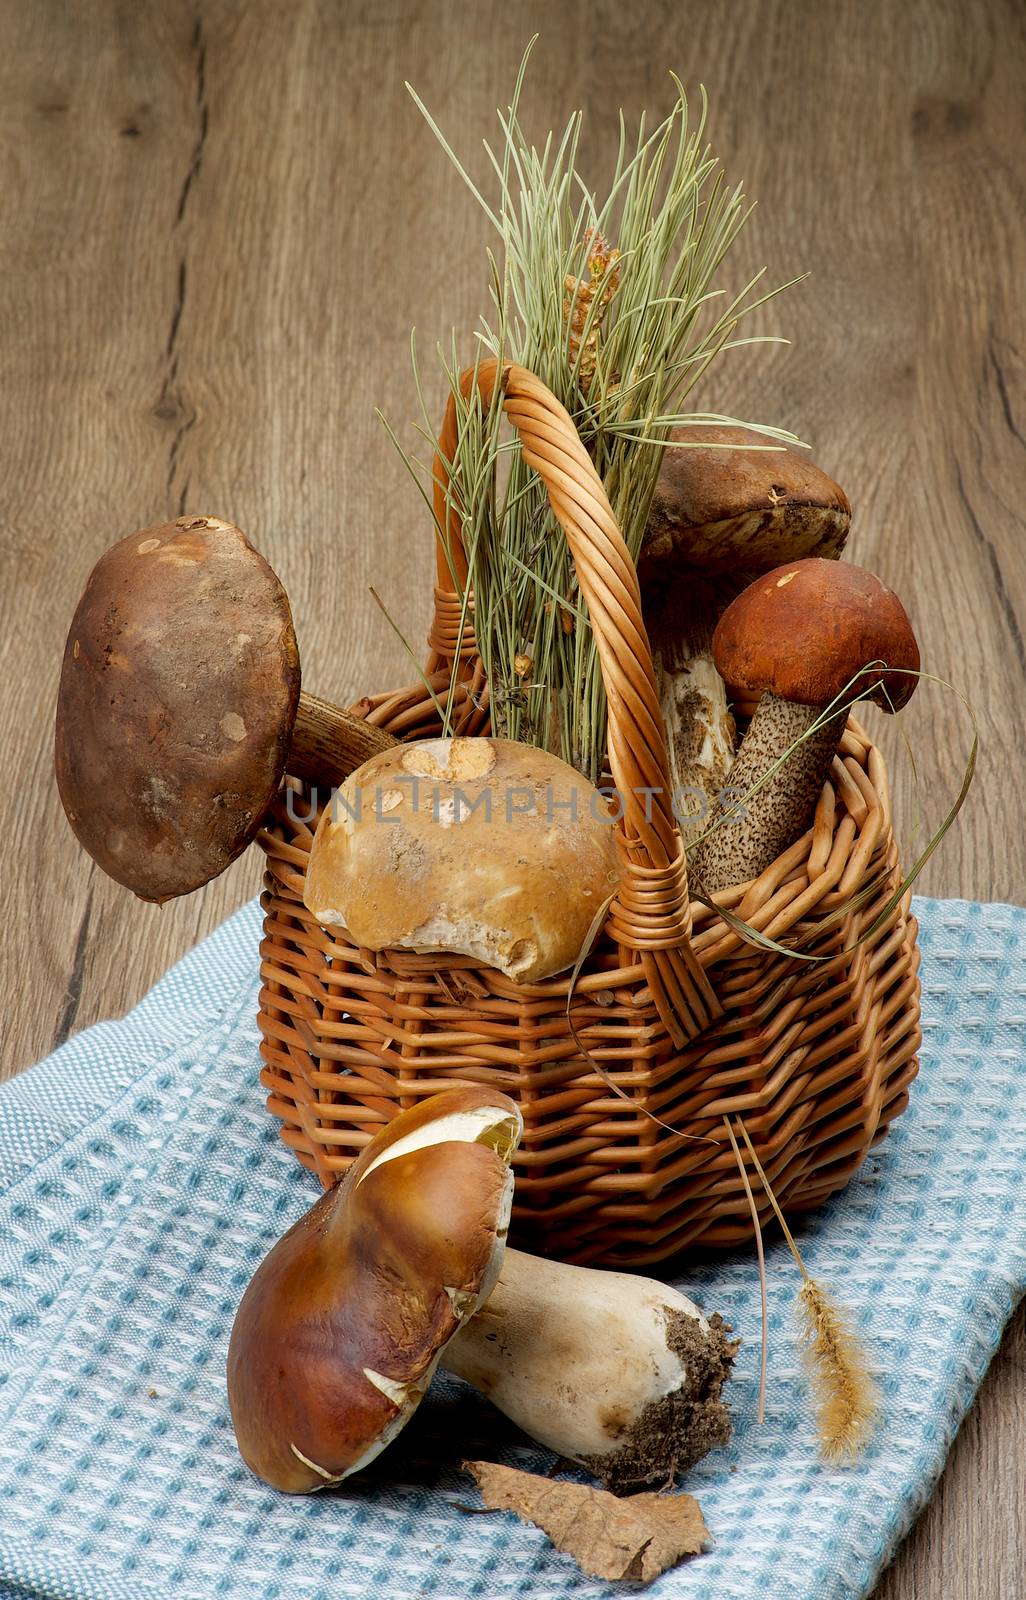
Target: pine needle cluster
{"x":614,"y":301}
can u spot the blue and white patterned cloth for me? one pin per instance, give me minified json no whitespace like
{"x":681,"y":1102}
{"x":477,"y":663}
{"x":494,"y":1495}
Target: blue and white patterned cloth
{"x":142,"y":1182}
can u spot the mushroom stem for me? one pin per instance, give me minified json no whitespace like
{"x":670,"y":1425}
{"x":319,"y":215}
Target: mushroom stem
{"x":693,"y":697}
{"x":620,"y":1373}
{"x":329,"y":743}
{"x":769,"y":821}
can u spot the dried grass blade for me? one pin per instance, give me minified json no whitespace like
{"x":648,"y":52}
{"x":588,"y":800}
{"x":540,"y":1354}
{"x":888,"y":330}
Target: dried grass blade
{"x":764,"y":1340}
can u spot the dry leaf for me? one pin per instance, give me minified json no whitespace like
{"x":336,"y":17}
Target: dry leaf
{"x":636,"y":1538}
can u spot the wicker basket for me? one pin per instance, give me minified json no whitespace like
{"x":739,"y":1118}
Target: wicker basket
{"x":815,"y":1057}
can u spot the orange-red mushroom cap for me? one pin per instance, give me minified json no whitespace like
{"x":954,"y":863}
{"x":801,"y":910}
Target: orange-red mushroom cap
{"x":807,"y":629}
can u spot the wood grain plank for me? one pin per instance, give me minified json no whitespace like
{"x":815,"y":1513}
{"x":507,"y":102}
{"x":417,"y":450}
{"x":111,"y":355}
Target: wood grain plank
{"x":217,"y":226}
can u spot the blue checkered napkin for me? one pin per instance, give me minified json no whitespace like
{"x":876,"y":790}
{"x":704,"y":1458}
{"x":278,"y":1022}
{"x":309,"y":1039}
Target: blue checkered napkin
{"x":142,"y":1181}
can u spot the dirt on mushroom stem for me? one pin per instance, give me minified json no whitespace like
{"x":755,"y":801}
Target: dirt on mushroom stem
{"x":672,"y":1434}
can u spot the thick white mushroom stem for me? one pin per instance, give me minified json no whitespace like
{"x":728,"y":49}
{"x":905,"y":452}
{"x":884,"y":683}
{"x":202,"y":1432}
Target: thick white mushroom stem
{"x":769,"y":821}
{"x":699,"y":728}
{"x":619,"y":1373}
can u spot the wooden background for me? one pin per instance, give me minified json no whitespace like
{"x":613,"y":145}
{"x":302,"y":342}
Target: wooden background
{"x":218,"y":223}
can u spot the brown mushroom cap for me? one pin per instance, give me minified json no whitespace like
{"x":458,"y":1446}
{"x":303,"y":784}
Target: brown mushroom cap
{"x":719,"y":510}
{"x":805,"y":630}
{"x":177,"y":699}
{"x":340,"y":1331}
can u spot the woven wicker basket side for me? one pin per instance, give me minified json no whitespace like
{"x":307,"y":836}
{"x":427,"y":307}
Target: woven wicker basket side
{"x":817,"y":1059}
{"x":625,"y":1157}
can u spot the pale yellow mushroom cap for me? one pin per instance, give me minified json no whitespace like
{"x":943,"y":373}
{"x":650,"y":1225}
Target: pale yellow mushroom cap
{"x":479,"y":847}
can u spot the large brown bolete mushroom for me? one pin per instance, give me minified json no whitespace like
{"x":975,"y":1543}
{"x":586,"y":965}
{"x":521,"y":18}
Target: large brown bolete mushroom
{"x":180,"y":706}
{"x":800,"y":637}
{"x":484,"y":847}
{"x":728,"y":504}
{"x":345,"y":1321}
{"x":339,"y":1333}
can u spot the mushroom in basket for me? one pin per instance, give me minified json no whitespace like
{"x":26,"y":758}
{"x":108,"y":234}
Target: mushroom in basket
{"x":482,"y":847}
{"x":728,"y":504}
{"x":811,"y":636}
{"x":180,"y":706}
{"x":404,"y":1266}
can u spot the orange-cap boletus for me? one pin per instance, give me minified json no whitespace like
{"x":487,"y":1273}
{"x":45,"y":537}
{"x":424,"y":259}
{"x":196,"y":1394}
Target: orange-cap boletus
{"x":180,"y":707}
{"x":729,"y":503}
{"x":801,"y":638}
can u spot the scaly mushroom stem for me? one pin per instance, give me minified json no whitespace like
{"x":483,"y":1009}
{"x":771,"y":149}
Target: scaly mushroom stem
{"x":699,"y":727}
{"x":769,"y":821}
{"x":620,"y":1373}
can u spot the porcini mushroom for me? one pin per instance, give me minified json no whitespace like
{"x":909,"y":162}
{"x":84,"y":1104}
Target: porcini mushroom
{"x":345,"y":1321}
{"x":484,"y":847}
{"x":799,"y":637}
{"x":180,"y":707}
{"x":340,"y":1331}
{"x":733,"y":505}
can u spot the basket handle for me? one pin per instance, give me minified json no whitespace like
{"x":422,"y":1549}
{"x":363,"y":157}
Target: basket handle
{"x":651,"y":913}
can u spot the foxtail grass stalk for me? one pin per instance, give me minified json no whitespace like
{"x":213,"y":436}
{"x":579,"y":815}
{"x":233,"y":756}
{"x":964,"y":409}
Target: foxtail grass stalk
{"x":845,"y":1391}
{"x":761,"y":1254}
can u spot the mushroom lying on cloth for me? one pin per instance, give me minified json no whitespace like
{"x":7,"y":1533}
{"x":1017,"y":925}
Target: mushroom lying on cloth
{"x":403,"y":1265}
{"x":180,"y":706}
{"x":799,"y":637}
{"x":343,"y":1325}
{"x":733,"y":505}
{"x":481,"y":847}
